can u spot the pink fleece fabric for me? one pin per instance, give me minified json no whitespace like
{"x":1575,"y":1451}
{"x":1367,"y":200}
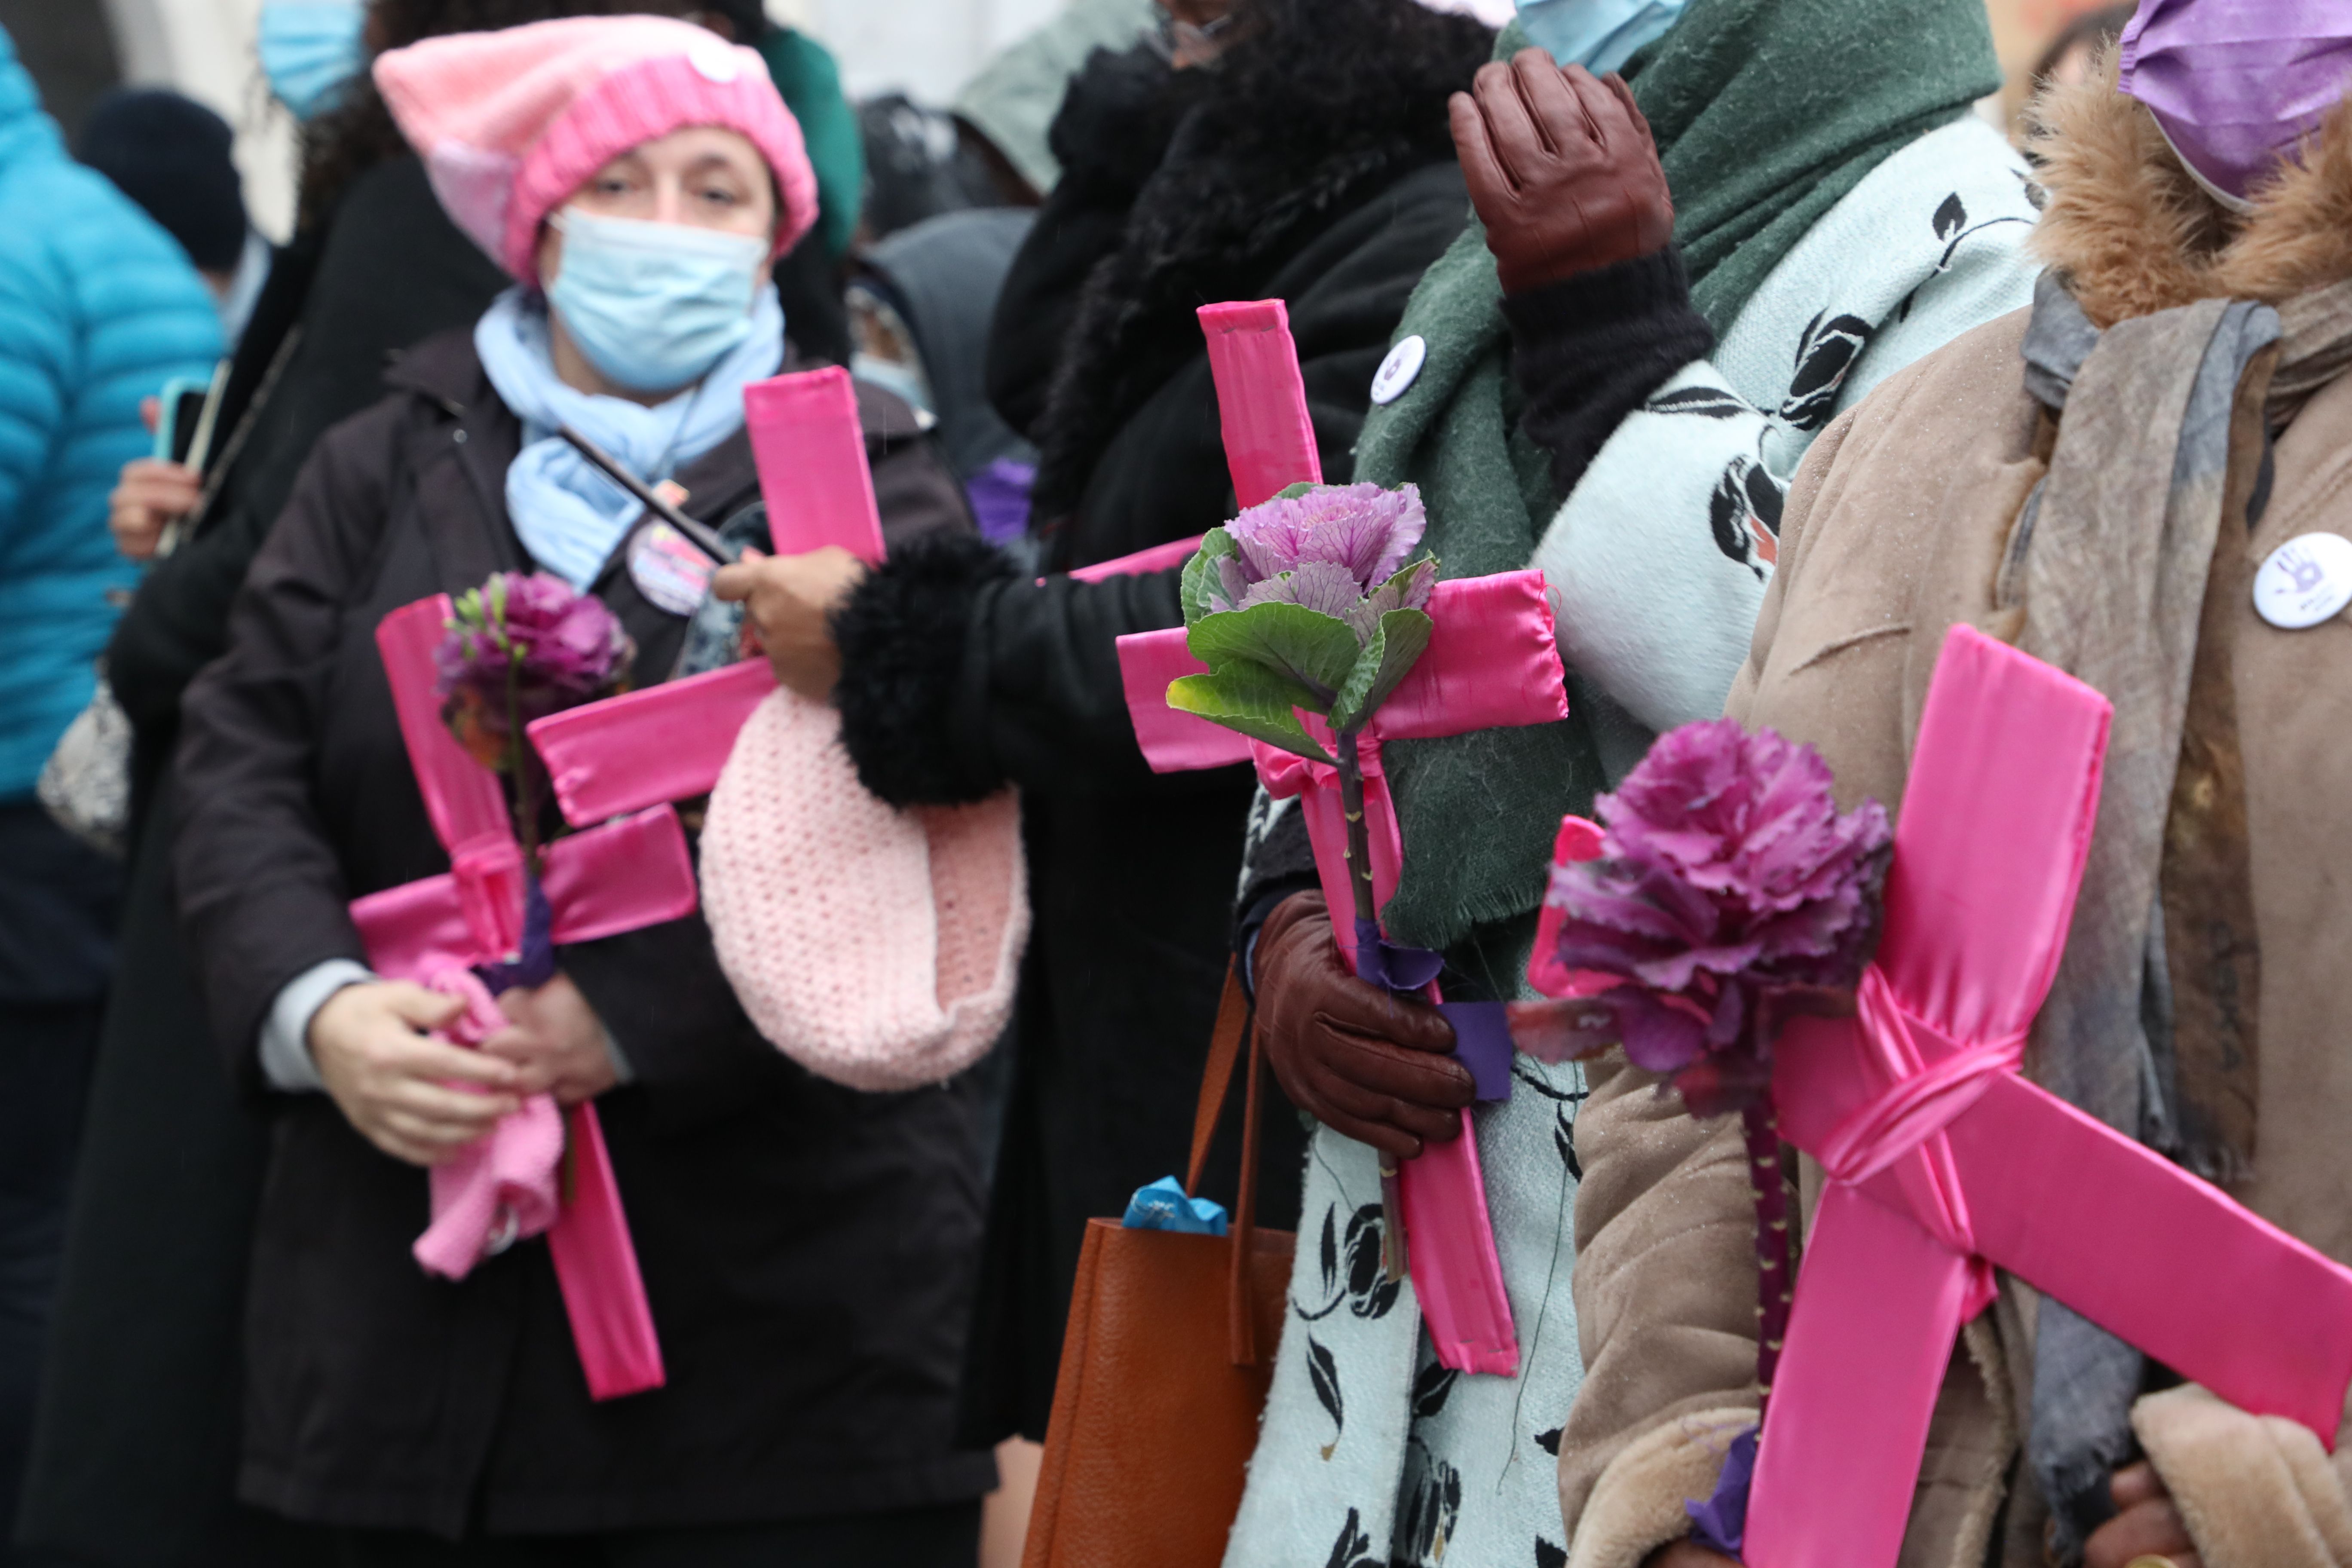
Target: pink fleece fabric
{"x":874,"y":946}
{"x":503,"y":1188}
{"x":510,"y":123}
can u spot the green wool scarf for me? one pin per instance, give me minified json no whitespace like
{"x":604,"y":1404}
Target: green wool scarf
{"x":1767,"y":114}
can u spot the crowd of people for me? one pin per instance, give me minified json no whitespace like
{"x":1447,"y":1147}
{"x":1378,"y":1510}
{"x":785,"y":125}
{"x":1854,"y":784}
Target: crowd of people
{"x":1740,"y":323}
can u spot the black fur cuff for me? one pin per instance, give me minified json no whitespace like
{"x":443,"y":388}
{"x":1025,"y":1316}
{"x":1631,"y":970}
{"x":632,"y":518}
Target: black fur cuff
{"x":903,"y":636}
{"x":1588,"y":351}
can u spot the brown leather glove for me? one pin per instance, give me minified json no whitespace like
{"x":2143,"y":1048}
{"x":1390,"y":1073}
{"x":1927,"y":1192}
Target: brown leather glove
{"x":1562,"y":169}
{"x":1361,"y":1062}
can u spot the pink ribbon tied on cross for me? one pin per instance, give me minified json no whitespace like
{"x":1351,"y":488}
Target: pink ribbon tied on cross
{"x":1945,"y":1164}
{"x":501,"y":1188}
{"x":630,"y":872}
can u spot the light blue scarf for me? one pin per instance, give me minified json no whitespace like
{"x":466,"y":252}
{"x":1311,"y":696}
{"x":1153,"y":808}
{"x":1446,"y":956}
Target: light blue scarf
{"x":569,"y":516}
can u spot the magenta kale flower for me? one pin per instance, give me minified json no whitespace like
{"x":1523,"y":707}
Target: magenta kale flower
{"x":1727,"y":875}
{"x":1336,"y":549}
{"x":521,"y":647}
{"x":1306,"y":603}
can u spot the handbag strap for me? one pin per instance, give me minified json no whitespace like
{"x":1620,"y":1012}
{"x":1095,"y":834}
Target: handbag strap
{"x":1233,"y":1024}
{"x":1224,"y":1048}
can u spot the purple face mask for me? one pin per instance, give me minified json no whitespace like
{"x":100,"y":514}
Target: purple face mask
{"x":2236,"y":84}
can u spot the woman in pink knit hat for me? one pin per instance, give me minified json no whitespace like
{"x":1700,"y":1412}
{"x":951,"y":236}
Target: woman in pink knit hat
{"x":806,"y":1250}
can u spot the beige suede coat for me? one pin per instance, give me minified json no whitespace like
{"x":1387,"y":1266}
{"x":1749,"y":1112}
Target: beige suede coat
{"x":1893,"y":533}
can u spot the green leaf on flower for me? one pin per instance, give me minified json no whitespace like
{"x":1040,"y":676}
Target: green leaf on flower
{"x":1254,"y":700}
{"x":1398,"y":642}
{"x":1201,"y":574}
{"x":1292,"y":493}
{"x":1315,"y":650}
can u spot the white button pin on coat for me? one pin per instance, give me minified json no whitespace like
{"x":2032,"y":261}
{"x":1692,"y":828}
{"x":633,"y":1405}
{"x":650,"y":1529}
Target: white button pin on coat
{"x":1397,"y":371}
{"x":714,"y":60}
{"x":2306,"y":581}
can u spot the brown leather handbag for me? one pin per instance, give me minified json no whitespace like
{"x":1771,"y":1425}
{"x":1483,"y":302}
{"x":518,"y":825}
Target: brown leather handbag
{"x":1165,"y":1367}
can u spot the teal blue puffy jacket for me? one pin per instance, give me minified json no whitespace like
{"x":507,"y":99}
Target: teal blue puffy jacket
{"x":98,"y":308}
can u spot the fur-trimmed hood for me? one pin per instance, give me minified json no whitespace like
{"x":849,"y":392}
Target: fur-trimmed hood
{"x":1324,"y":105}
{"x":2135,"y":234}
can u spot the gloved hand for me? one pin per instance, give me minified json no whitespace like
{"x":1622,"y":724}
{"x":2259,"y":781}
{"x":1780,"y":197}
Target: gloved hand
{"x":1562,"y":169}
{"x":1357,"y":1060}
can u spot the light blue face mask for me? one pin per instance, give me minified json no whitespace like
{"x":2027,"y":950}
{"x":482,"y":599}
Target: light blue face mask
{"x":654,"y":305}
{"x":309,"y":49}
{"x":1599,"y":35}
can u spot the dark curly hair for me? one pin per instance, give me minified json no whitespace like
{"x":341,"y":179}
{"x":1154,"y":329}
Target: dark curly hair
{"x":358,"y":134}
{"x":1316,"y":107}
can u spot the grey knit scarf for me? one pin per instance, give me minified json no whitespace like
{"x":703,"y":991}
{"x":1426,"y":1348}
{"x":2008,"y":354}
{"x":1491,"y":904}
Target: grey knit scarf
{"x":2124,"y":554}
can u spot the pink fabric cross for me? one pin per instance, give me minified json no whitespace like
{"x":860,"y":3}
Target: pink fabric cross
{"x":631,"y":872}
{"x":616,"y":767}
{"x":669,"y":741}
{"x":1944,"y":1164}
{"x":1493,"y":660}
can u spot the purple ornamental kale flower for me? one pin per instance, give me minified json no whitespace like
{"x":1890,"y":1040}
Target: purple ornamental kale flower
{"x":528,"y":643}
{"x":1726,"y":874}
{"x":1333,"y":549}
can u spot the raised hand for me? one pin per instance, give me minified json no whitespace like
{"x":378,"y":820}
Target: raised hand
{"x":790,"y":601}
{"x":1561,"y":168}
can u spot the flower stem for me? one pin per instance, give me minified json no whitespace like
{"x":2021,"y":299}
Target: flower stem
{"x":1775,"y":1279}
{"x":1360,"y":883}
{"x":1359,"y":839}
{"x":519,"y":764}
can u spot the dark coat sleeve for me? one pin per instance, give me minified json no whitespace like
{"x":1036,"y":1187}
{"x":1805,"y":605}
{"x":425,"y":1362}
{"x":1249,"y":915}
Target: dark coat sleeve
{"x":1590,"y":349}
{"x":961,"y":675}
{"x":261,"y":894}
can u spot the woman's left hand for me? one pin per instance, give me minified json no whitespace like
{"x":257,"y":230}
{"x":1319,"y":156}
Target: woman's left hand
{"x":791,"y":600}
{"x":1561,"y":168}
{"x":557,"y":1040}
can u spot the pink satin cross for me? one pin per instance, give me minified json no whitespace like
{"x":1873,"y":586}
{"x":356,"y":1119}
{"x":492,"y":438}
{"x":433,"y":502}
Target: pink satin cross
{"x":1492,"y":661}
{"x":669,"y":742}
{"x":616,"y":767}
{"x":1945,"y":1164}
{"x":627,"y":873}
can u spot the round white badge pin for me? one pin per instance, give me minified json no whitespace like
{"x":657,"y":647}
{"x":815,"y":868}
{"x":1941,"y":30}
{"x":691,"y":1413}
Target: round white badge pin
{"x":714,"y":61}
{"x":2306,"y":581}
{"x":668,"y":571}
{"x":1397,"y":371}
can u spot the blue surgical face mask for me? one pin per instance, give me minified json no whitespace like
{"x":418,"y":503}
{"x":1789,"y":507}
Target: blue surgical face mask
{"x":654,"y":305}
{"x":309,"y":49}
{"x":1599,"y":35}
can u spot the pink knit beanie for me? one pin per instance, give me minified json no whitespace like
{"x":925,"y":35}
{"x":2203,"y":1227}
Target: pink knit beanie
{"x":511,"y":122}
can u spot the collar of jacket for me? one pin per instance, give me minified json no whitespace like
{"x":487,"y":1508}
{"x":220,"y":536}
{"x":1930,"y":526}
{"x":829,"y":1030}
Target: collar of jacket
{"x":2135,"y":234}
{"x":483,"y":436}
{"x":1298,"y":128}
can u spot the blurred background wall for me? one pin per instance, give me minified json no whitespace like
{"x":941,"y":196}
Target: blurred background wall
{"x":925,"y":49}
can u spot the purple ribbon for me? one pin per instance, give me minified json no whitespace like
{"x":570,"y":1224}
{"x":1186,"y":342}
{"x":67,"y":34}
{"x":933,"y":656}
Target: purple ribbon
{"x":1482,"y":1032}
{"x":1720,"y":1523}
{"x":533,"y":964}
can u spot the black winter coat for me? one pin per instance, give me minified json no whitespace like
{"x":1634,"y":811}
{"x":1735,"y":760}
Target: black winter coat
{"x":807,"y":1249}
{"x":960,"y":673}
